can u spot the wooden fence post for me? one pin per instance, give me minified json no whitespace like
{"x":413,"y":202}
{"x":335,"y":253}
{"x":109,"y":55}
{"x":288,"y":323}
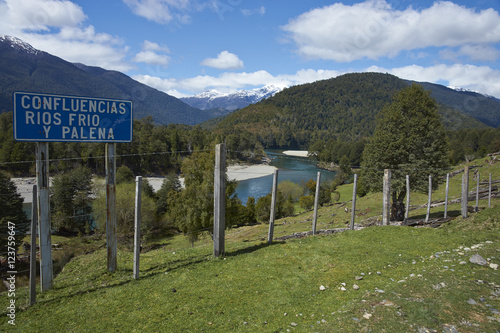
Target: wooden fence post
{"x":111,"y":206}
{"x":34,"y":218}
{"x":137,"y":225}
{"x":273,"y":207}
{"x":353,"y":208}
{"x":429,"y":200}
{"x":476,"y":208}
{"x":44,"y":228}
{"x":407,"y":208}
{"x":316,"y":202}
{"x":219,"y":199}
{"x":465,"y":191}
{"x":386,"y":213}
{"x":489,"y":192}
{"x":446,"y":195}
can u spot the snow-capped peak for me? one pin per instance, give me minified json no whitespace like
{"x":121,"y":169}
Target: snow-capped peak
{"x":257,"y":93}
{"x":18,"y":44}
{"x":459,"y":89}
{"x":230,"y":101}
{"x":212,"y":93}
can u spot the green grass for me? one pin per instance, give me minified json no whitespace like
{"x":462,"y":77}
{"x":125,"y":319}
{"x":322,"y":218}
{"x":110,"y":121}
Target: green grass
{"x":276,"y":288}
{"x":255,"y":284}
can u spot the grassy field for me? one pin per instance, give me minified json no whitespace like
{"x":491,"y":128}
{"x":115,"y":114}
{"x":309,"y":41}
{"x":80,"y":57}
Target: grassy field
{"x":379,"y":279}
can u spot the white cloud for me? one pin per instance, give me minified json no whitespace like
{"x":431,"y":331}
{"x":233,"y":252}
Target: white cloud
{"x":224,"y":60}
{"x":39,"y":15}
{"x":151,"y":46}
{"x":160,"y":11}
{"x":106,"y":51}
{"x":58,"y":27}
{"x":478,"y":78}
{"x":153,"y":54}
{"x":152,"y":58}
{"x":373,"y":29}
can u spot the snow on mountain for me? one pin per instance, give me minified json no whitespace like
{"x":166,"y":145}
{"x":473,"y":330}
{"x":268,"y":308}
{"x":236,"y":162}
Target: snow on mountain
{"x":18,"y":44}
{"x":212,"y":98}
{"x":459,"y":89}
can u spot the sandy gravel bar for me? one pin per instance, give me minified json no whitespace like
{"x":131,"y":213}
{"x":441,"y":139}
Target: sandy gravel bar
{"x":244,"y":172}
{"x":300,"y":153}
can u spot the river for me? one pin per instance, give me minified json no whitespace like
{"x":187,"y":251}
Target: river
{"x":296,"y":169}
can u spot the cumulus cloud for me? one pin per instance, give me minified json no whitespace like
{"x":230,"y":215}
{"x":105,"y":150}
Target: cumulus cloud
{"x":151,"y":58}
{"x":152,"y":46}
{"x":39,"y":15}
{"x":58,"y":27}
{"x":224,"y":60}
{"x":84,"y":46}
{"x":160,"y":11}
{"x":483,"y":79}
{"x":153,"y":54}
{"x":373,"y":29}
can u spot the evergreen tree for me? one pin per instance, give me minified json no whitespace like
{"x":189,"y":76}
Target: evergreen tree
{"x":169,"y":187}
{"x":124,"y":175}
{"x":71,"y":202}
{"x":192,"y":209}
{"x":249,"y":215}
{"x":11,"y":210}
{"x":410,"y":140}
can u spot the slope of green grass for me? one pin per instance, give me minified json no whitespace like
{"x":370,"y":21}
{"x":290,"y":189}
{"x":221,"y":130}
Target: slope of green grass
{"x":412,"y":279}
{"x":275,"y":287}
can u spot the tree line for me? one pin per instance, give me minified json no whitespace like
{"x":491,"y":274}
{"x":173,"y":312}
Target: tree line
{"x":155,"y":149}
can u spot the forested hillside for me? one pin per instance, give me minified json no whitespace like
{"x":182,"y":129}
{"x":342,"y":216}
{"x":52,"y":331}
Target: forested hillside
{"x":344,"y":108}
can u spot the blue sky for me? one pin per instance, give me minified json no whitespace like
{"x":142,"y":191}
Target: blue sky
{"x":184,"y":47}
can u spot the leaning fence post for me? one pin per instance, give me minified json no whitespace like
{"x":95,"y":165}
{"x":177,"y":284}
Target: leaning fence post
{"x":386,"y":213}
{"x":316,"y":202}
{"x":273,"y":207}
{"x":446,"y":195}
{"x":407,"y":210}
{"x":476,"y":208}
{"x":137,"y":235}
{"x":489,"y":192}
{"x":34,"y":218}
{"x":429,"y":200}
{"x":465,"y":191}
{"x":219,"y":199}
{"x":353,"y":208}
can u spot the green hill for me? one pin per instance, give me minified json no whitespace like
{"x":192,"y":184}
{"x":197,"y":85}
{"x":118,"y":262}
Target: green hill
{"x":344,"y":108}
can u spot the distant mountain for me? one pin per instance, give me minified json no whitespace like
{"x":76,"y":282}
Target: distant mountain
{"x":483,"y":108}
{"x":23,"y":68}
{"x":213,"y":99}
{"x":346,"y":108}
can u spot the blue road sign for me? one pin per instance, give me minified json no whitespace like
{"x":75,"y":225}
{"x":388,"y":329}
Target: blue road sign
{"x":44,"y":117}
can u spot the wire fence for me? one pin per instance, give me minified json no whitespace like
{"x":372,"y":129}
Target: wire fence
{"x":205,"y":244}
